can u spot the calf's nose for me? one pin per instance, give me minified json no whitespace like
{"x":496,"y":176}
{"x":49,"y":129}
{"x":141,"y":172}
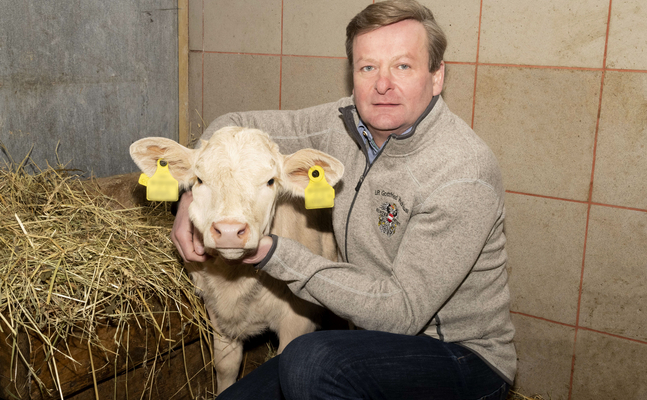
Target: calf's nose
{"x":229,"y":235}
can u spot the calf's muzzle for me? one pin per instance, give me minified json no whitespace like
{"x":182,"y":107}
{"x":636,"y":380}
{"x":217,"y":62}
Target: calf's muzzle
{"x":230,"y":235}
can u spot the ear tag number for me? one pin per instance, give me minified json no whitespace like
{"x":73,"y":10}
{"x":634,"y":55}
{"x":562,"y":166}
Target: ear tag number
{"x":318,"y":193}
{"x":161,"y":186}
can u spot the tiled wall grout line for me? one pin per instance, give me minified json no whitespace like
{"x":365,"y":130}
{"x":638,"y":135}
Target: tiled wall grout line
{"x":618,"y":207}
{"x":639,"y":71}
{"x":582,"y":328}
{"x":310,"y":56}
{"x":541,"y":67}
{"x":577,"y":201}
{"x":556,"y":67}
{"x":460,"y":63}
{"x":613,"y":335}
{"x":548,"y":197}
{"x":243,"y":54}
{"x":590,"y":202}
{"x":476,"y":63}
{"x":579,"y":299}
{"x":543,"y":319}
{"x":277,"y":55}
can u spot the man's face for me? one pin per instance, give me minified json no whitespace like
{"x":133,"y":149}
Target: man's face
{"x":391,"y":79}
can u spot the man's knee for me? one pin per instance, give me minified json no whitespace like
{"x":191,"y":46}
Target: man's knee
{"x":317,"y":348}
{"x":308,"y":362}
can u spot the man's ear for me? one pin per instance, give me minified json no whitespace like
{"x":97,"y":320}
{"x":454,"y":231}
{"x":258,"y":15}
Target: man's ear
{"x":295,"y":177}
{"x":439,"y":79}
{"x":145,"y":152}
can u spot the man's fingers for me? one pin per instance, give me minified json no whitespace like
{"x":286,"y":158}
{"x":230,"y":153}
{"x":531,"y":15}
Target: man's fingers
{"x":198,"y":243}
{"x":264,"y":247}
{"x":178,"y":247}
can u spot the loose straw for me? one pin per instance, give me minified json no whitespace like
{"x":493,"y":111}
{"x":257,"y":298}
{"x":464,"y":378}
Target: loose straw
{"x":93,"y":266}
{"x":25,"y":231}
{"x":94,"y":375}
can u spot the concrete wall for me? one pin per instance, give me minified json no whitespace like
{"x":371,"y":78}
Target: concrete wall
{"x":87,"y":76}
{"x":558,"y":89}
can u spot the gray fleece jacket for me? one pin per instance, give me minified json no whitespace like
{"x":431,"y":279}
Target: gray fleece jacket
{"x":420,"y":230}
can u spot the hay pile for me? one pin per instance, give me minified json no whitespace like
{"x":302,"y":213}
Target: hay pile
{"x":69,"y":264}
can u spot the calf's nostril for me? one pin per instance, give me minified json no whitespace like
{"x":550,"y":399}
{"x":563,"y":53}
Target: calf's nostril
{"x":215,"y":231}
{"x":227,"y":234}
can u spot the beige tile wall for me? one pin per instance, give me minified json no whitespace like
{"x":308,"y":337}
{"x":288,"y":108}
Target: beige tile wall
{"x":558,"y":89}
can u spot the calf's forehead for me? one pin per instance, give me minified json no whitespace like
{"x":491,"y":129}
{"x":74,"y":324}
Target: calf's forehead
{"x":239,"y":153}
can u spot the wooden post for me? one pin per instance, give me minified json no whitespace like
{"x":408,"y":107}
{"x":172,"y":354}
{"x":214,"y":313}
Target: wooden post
{"x":183,"y":70}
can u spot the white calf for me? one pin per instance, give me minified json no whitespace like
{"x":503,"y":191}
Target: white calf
{"x":237,"y":178}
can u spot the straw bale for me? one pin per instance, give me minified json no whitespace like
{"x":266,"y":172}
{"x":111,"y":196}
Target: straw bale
{"x":90,"y":286}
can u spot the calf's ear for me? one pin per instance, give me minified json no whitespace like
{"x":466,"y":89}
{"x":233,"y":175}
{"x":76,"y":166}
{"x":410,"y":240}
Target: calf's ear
{"x":145,"y":152}
{"x":296,"y":166}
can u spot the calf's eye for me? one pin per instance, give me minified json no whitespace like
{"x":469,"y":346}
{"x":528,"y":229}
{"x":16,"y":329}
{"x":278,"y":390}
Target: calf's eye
{"x":199,"y":180}
{"x":270,"y":182}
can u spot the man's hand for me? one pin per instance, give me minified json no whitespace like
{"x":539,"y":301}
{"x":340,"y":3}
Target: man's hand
{"x":264,"y":246}
{"x":186,"y":238}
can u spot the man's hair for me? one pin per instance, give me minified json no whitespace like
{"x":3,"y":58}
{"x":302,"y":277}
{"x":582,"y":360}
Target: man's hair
{"x":389,"y":12}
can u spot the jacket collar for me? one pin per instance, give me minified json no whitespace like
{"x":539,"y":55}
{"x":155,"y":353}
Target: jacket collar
{"x":402,"y":143}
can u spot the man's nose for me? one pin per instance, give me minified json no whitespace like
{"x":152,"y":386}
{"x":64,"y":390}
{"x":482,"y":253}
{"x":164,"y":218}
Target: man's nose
{"x":384,"y":82}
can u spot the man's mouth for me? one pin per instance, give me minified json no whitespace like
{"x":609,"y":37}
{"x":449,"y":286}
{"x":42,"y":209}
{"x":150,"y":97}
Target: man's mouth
{"x":385,"y":104}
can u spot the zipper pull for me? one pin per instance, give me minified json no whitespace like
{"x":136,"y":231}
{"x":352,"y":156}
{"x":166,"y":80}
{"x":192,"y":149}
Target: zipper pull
{"x":371,"y":142}
{"x":359,"y":184}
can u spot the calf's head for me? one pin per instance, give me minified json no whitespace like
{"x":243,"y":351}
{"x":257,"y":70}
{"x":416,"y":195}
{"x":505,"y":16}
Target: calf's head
{"x":236,"y":178}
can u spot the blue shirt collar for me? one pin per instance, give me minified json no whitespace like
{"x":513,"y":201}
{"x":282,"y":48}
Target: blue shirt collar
{"x":371,"y":146}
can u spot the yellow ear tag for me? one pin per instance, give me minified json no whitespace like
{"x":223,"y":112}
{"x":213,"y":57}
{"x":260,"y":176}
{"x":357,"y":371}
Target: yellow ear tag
{"x":161,"y":186}
{"x":318,"y":194}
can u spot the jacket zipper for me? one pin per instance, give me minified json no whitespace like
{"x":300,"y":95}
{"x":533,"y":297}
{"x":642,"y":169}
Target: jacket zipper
{"x":367,"y":168}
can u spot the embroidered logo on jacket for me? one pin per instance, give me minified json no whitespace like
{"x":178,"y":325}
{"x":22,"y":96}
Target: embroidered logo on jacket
{"x":388,"y":218}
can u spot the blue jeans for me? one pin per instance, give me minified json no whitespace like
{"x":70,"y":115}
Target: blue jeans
{"x":370,"y":365}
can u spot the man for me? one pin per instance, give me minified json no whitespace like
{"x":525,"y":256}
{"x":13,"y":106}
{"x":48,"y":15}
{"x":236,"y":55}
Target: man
{"x":419,"y":222}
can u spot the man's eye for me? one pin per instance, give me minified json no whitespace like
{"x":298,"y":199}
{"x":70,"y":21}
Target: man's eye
{"x":367,"y":68}
{"x":404,"y":66}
